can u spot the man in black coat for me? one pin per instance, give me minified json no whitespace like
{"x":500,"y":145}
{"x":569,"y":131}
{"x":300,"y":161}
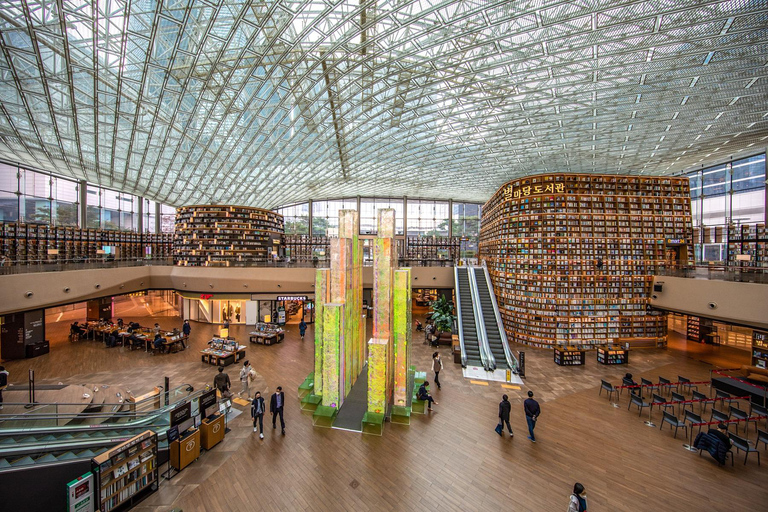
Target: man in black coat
{"x":504,"y":409}
{"x":276,"y":404}
{"x":532,"y":412}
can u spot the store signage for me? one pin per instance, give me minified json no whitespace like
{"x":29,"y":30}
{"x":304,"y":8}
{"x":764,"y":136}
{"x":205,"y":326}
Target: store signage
{"x":181,"y":414}
{"x":190,"y":445}
{"x":673,"y":241}
{"x":532,"y":190}
{"x":80,"y":494}
{"x":206,"y":296}
{"x":291,"y":297}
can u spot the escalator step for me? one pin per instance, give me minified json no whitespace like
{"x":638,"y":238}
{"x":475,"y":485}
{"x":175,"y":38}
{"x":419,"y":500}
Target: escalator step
{"x":99,"y":451}
{"x":24,"y":461}
{"x":28,"y":439}
{"x":64,"y":437}
{"x":7,"y":440}
{"x":67,"y":456}
{"x":46,"y":458}
{"x":4,"y":464}
{"x":49,"y":437}
{"x":86,"y":454}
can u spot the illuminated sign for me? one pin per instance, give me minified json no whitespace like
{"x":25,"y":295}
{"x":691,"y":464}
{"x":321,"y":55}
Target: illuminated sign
{"x":673,"y":241}
{"x":530,"y":190}
{"x":291,"y":297}
{"x":206,"y":296}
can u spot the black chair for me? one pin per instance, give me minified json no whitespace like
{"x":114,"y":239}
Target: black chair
{"x":685,"y":384}
{"x":628,"y":382}
{"x":762,"y":437}
{"x":759,"y":410}
{"x":741,"y":444}
{"x":674,"y":422}
{"x":677,"y":397}
{"x":700,"y":396}
{"x":604,"y":385}
{"x":666,"y":384}
{"x":738,"y":414}
{"x":725,"y":397}
{"x":693,"y":418}
{"x":648,"y":386}
{"x":719,"y":416}
{"x":639,"y":402}
{"x":661,"y":402}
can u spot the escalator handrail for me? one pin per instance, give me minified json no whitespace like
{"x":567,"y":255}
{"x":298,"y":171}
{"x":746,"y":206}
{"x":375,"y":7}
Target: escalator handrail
{"x":105,"y":404}
{"x":489,"y":363}
{"x":511,"y":360}
{"x":458,"y":315}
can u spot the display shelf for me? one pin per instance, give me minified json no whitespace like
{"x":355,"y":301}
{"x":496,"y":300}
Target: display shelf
{"x":693,"y":331}
{"x":760,"y":349}
{"x":127,"y":473}
{"x":572,"y":257}
{"x":612,"y":354}
{"x":266,"y":334}
{"x":221,"y":352}
{"x":219,"y":235}
{"x":568,"y":356}
{"x":29,"y":244}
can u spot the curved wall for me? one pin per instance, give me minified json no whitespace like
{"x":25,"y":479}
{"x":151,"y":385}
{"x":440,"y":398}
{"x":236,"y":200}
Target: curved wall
{"x":217,"y":235}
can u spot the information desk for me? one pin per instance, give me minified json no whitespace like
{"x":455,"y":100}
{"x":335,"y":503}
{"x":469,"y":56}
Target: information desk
{"x":612,"y":354}
{"x":222,"y":357}
{"x":567,"y":356}
{"x":212,"y":431}
{"x":185,"y":450}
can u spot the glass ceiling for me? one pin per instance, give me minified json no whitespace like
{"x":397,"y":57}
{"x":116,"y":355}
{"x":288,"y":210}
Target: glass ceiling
{"x":273,"y":102}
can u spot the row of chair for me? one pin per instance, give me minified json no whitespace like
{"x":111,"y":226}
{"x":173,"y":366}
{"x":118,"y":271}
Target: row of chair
{"x":682,"y":384}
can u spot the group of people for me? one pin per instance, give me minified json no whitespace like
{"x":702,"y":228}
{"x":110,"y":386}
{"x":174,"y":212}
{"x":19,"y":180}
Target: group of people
{"x":131,"y":337}
{"x":276,"y":404}
{"x":532,"y":411}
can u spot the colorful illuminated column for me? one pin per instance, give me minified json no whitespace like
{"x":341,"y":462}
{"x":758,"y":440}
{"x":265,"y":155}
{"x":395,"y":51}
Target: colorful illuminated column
{"x":401,"y":328}
{"x":321,"y":298}
{"x":333,"y":334}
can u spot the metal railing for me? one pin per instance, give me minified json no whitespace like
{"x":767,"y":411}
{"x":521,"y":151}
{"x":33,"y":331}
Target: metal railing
{"x":486,"y":356}
{"x":460,"y":328}
{"x":511,"y":360}
{"x":719,"y":273}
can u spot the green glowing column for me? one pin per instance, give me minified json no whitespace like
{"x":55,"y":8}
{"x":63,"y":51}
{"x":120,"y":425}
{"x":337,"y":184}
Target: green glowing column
{"x":377,"y":375}
{"x":321,"y":297}
{"x":401,"y":327}
{"x":333,"y":333}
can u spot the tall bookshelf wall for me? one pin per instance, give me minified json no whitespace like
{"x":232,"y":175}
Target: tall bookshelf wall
{"x":750,"y":240}
{"x":29,"y":244}
{"x":572,"y":257}
{"x":220,"y":235}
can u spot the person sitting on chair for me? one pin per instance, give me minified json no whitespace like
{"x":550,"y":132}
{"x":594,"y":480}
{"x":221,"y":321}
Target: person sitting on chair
{"x":158,"y":342}
{"x":722,"y":434}
{"x":423,"y":394}
{"x":627,"y":381}
{"x":419,"y":327}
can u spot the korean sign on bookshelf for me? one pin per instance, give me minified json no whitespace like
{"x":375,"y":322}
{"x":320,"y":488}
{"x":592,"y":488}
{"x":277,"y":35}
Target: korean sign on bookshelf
{"x":512,"y":192}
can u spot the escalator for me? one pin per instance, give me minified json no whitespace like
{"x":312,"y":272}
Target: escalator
{"x":471,"y":352}
{"x":42,"y":437}
{"x":497,"y":344}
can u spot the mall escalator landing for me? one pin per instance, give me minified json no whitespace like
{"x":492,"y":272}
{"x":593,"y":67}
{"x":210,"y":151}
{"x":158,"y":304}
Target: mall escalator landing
{"x":471,"y":355}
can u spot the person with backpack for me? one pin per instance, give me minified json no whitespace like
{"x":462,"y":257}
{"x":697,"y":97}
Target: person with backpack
{"x":257,"y":413}
{"x":578,"y":500}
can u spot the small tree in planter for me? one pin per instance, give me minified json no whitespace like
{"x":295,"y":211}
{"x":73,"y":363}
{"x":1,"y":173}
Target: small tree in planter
{"x":442,"y":315}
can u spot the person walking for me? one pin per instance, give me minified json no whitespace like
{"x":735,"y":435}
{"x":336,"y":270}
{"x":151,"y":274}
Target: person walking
{"x":3,"y":384}
{"x":532,"y":411}
{"x":186,"y":329}
{"x":578,"y":500}
{"x":504,"y":409}
{"x":257,"y":413}
{"x":437,"y":365}
{"x":276,"y":404}
{"x":423,"y":394}
{"x":246,"y":376}
{"x":302,"y":329}
{"x":222,"y":383}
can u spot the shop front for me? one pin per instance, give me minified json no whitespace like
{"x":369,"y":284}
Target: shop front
{"x":284,"y":309}
{"x":248,"y":309}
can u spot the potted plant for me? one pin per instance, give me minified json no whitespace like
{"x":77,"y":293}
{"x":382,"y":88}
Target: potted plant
{"x":441,"y":313}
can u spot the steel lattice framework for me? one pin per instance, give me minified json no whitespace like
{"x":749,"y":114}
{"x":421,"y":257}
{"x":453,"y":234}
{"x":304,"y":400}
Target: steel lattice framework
{"x":273,"y":102}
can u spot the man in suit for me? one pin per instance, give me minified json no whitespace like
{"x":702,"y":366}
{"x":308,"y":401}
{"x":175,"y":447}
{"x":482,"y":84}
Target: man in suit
{"x":257,"y":413}
{"x":276,"y":405}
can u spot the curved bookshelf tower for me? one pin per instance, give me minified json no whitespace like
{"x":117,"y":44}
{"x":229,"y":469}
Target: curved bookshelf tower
{"x":217,"y":235}
{"x":572,"y":256}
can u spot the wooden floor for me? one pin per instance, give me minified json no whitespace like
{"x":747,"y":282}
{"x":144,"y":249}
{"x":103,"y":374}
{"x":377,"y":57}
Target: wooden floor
{"x":450,"y":459}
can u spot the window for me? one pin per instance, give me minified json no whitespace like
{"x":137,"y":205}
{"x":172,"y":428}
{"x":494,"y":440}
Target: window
{"x":66,"y":202}
{"x":167,"y":218}
{"x":466,"y":224}
{"x":296,"y":219}
{"x":369,"y":208}
{"x":150,"y":216}
{"x":9,"y":193}
{"x":325,"y":215}
{"x":427,"y":218}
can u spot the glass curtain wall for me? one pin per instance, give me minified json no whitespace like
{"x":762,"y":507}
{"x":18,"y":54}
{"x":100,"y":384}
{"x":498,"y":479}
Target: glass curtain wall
{"x":37,"y":198}
{"x":368,"y":209}
{"x":724,"y":194}
{"x":296,"y":219}
{"x":150,"y":216}
{"x":428,"y":218}
{"x":167,"y":218}
{"x":325,"y":215}
{"x":466,"y":224}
